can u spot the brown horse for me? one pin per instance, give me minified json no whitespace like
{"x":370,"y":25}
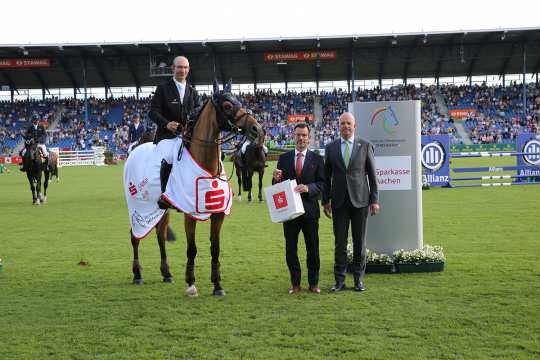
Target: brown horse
{"x":223,"y":112}
{"x":52,"y":168}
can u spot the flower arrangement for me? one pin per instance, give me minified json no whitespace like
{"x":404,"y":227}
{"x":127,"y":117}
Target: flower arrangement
{"x":428,"y":254}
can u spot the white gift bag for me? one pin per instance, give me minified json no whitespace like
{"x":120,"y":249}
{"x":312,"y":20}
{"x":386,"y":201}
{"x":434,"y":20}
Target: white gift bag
{"x":283,"y":202}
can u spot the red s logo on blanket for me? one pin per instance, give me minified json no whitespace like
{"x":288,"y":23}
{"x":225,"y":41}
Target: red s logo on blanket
{"x":214,"y":199}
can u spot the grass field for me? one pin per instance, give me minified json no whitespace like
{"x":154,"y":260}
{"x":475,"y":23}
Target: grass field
{"x":485,"y":305}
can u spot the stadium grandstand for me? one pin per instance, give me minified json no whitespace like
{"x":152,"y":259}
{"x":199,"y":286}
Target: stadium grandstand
{"x":481,"y":87}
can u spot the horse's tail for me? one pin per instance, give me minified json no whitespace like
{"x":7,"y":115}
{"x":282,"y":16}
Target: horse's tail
{"x":246,"y":179}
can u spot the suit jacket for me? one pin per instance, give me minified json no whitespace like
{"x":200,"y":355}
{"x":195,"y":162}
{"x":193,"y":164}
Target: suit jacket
{"x":312,"y":175}
{"x":135,"y":134}
{"x":39,"y":135}
{"x":358,"y":179}
{"x":166,"y":107}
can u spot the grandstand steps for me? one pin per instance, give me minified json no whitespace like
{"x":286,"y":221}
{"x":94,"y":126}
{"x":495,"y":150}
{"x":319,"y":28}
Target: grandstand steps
{"x":53,"y":124}
{"x":442,"y":108}
{"x":441,"y":104}
{"x":461,"y":132}
{"x":317,"y":119}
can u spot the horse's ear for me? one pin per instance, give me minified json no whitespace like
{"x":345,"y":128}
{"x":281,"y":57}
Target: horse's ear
{"x":227,"y":87}
{"x":216,"y":86}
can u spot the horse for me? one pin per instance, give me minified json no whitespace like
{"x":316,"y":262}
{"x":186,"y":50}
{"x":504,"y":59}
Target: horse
{"x":222,"y":112}
{"x":34,"y":167}
{"x":52,"y":167}
{"x":255,"y":161}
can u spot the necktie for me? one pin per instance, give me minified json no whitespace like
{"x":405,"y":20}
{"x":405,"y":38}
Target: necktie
{"x":347,"y":154}
{"x":299,"y":165}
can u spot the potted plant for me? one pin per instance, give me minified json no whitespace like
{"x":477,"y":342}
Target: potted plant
{"x":376,"y":263}
{"x":109,"y":157}
{"x":428,"y":259}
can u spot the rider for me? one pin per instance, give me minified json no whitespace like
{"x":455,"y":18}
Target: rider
{"x":37,"y":132}
{"x":171,"y":106}
{"x":244,"y":148}
{"x":136,"y":131}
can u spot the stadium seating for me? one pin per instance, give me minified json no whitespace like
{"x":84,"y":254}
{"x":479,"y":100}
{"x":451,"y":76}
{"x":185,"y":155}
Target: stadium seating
{"x":497,"y":117}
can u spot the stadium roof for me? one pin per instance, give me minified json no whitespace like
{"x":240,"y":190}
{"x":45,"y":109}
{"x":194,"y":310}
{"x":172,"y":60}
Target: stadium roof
{"x":331,"y":58}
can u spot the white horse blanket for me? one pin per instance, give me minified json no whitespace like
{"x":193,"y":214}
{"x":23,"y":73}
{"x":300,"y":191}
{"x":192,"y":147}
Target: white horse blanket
{"x":191,"y":189}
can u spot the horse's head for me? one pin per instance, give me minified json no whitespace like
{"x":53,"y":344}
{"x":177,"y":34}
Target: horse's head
{"x":231,"y":116}
{"x":29,"y":143}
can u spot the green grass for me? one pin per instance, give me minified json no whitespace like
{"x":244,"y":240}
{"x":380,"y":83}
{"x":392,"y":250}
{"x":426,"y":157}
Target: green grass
{"x":486,"y":304}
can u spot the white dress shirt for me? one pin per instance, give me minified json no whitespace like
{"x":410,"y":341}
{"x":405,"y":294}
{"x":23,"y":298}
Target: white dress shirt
{"x":181,"y":89}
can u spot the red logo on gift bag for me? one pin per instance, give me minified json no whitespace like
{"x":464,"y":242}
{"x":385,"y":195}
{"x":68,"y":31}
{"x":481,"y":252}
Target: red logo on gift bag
{"x":280,"y":200}
{"x":214,"y":199}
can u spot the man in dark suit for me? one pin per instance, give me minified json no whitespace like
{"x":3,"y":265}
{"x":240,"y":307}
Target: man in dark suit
{"x":136,"y":130}
{"x":350,"y":193}
{"x":37,"y":132}
{"x":170,"y":108}
{"x":308,"y":169}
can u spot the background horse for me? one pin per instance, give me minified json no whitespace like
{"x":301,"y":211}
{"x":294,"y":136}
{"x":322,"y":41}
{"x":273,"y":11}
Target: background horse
{"x":254,"y":161}
{"x":223,"y":112}
{"x":34,"y":166}
{"x":52,"y":167}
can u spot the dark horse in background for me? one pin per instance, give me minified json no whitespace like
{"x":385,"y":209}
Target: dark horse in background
{"x":34,"y":167}
{"x":254,"y":161}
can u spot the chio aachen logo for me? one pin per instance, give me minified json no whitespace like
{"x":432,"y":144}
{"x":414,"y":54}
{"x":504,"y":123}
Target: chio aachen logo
{"x":533,"y":148}
{"x":433,"y":156}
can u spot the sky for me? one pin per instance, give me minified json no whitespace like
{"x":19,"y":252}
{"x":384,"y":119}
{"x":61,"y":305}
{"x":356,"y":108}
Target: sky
{"x":41,"y":22}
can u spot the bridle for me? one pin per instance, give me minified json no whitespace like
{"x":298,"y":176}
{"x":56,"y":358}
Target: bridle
{"x":227,"y":117}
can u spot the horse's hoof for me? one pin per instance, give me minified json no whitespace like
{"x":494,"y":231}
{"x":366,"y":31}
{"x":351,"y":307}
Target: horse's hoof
{"x":219,"y":292}
{"x":191,"y":291}
{"x":44,"y":200}
{"x":239,"y":198}
{"x":169,"y":279}
{"x":137,"y":281}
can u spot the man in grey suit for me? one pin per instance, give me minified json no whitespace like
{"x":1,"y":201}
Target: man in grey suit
{"x":350,"y":193}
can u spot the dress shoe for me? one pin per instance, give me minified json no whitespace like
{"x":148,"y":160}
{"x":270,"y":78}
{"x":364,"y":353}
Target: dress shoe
{"x":294,"y":290}
{"x":359,"y":286}
{"x":339,"y":286}
{"x":315,"y":289}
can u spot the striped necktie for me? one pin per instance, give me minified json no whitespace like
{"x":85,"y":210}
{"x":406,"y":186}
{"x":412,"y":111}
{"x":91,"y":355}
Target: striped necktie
{"x":347,"y":153}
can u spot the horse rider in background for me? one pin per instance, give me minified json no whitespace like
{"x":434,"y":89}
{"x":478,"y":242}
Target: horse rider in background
{"x":37,"y":132}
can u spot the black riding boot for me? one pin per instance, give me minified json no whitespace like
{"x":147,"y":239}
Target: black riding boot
{"x":164,"y":173}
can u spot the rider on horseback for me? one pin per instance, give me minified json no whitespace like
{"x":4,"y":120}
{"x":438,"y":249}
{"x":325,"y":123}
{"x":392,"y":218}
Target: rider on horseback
{"x":37,"y":132}
{"x":171,"y":106}
{"x":243,"y":151}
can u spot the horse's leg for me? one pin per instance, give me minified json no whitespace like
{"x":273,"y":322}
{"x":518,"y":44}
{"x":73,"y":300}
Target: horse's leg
{"x":161,"y":230}
{"x":239,"y":177}
{"x":38,"y":186}
{"x":45,"y":185}
{"x":190,"y":226}
{"x":261,"y":174}
{"x":136,"y":266}
{"x":250,"y":183}
{"x":215,"y":229}
{"x":32,"y":187}
{"x":171,"y":235}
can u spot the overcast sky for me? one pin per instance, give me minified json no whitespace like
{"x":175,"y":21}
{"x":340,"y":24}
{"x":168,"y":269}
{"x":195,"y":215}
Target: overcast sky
{"x":52,"y":21}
